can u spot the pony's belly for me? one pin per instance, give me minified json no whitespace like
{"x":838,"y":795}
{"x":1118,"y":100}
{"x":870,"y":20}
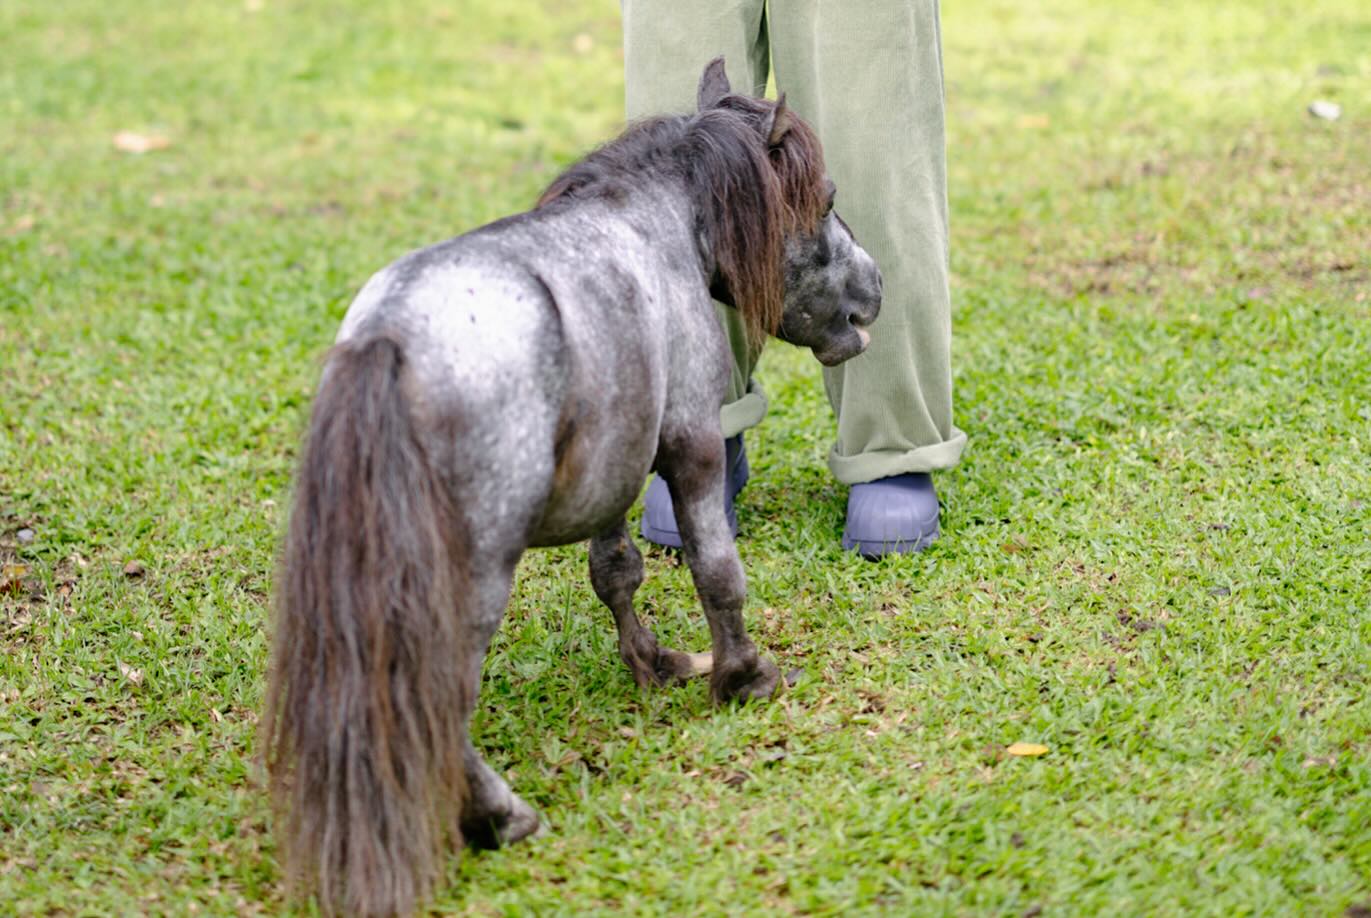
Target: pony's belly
{"x":554,"y":531}
{"x":588,"y":499}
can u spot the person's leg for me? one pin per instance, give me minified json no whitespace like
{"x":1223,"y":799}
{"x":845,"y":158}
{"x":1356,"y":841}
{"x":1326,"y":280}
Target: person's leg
{"x":867,"y":74}
{"x":666,"y":46}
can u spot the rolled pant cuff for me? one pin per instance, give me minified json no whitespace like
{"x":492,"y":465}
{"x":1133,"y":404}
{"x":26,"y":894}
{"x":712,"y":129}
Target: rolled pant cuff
{"x":870,"y":466}
{"x":748,"y":411}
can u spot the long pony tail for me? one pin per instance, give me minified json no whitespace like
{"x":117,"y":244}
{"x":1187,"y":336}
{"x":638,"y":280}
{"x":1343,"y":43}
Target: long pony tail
{"x":369,"y":688}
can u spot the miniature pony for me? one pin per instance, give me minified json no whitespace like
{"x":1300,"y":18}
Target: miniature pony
{"x":510,"y":388}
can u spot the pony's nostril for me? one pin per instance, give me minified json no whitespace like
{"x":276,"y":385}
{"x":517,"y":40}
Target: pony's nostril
{"x":858,"y":319}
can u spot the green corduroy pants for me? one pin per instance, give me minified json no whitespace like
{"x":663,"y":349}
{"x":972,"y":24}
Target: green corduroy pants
{"x":868,"y":76}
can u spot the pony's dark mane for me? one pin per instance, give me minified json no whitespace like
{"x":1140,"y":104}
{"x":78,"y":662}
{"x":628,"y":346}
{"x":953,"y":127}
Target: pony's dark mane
{"x":749,"y":194}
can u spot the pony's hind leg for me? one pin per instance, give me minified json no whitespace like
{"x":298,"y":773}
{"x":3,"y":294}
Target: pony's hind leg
{"x":492,"y":814}
{"x":616,"y":572}
{"x":693,"y":469}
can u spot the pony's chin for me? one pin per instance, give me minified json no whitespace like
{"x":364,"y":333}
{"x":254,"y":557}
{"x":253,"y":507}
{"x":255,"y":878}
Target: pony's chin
{"x":844,"y":350}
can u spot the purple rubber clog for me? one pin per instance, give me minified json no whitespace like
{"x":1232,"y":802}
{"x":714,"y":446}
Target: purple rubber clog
{"x":659,"y":519}
{"x":896,"y":515}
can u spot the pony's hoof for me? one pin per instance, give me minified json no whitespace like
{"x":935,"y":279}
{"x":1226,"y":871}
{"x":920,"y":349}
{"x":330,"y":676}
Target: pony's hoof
{"x":674,"y":667}
{"x":523,"y":823}
{"x":757,"y":679}
{"x":515,"y":824}
{"x":654,"y":665}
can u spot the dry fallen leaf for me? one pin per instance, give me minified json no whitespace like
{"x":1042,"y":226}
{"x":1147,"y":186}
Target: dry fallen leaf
{"x":12,"y":578}
{"x":133,"y":675}
{"x":582,"y":43}
{"x":136,"y":143}
{"x":133,"y":569}
{"x":1027,"y":749}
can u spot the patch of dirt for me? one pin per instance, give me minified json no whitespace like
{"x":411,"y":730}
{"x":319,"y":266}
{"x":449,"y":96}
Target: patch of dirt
{"x":1285,"y":195}
{"x":1134,"y":270}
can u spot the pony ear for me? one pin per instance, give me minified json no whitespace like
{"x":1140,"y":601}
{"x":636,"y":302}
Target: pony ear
{"x":713,"y":85}
{"x":778,"y":123}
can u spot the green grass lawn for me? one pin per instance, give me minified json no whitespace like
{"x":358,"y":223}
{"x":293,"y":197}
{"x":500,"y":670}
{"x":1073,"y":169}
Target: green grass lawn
{"x":1155,"y":558}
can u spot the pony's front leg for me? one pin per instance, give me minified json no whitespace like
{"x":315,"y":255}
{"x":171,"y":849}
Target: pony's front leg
{"x":616,"y":572}
{"x":694,"y":472}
